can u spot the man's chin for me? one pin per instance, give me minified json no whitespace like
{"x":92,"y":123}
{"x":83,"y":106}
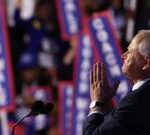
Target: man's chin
{"x":126,"y":74}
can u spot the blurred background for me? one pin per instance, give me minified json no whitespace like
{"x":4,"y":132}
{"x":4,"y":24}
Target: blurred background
{"x":45,"y":57}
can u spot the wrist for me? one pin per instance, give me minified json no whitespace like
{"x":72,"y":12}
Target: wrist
{"x":96,"y":104}
{"x":96,"y":109}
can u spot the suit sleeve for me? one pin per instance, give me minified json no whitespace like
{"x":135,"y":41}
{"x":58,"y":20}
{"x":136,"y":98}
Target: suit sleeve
{"x":96,"y":124}
{"x":130,"y":117}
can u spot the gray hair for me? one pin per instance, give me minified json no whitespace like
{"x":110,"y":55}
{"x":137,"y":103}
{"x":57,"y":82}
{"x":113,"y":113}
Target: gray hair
{"x":143,"y":41}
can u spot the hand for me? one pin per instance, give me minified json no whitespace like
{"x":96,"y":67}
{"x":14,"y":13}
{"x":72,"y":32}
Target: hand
{"x":100,"y":89}
{"x":68,"y":58}
{"x":18,"y":4}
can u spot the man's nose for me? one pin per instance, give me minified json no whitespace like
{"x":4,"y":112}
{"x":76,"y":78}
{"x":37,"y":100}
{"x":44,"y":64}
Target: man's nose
{"x":123,"y":56}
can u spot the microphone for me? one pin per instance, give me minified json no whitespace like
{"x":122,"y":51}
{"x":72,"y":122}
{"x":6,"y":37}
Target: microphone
{"x":37,"y":108}
{"x":47,"y":108}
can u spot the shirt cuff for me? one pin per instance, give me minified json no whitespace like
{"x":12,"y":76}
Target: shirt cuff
{"x":94,"y":112}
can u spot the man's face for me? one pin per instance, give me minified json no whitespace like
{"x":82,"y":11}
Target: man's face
{"x":132,"y":61}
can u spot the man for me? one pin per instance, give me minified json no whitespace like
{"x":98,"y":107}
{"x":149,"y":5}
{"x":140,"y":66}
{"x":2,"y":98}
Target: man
{"x":132,"y":115}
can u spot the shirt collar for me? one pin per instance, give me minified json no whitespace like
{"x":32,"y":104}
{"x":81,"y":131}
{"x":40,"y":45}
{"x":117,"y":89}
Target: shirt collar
{"x":139,"y":84}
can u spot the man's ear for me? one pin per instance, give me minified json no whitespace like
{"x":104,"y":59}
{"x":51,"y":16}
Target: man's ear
{"x":147,"y":64}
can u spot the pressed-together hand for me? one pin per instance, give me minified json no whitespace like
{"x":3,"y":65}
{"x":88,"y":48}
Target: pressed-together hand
{"x":100,"y":90}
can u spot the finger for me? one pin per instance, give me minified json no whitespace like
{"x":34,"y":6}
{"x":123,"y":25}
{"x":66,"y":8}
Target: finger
{"x":97,"y":71}
{"x":103,"y":74}
{"x":94,"y":73}
{"x":91,"y":77}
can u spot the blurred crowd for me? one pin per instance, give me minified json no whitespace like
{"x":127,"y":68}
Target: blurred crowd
{"x":39,"y":60}
{"x":42,"y":59}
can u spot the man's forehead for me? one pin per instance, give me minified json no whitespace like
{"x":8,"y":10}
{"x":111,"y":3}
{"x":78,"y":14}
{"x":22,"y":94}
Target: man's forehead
{"x":133,"y":44}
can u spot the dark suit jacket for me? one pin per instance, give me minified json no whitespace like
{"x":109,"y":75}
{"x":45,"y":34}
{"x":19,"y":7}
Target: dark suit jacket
{"x":131,"y":117}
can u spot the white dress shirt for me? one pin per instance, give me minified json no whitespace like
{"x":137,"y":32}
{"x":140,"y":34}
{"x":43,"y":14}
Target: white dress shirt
{"x":139,"y":84}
